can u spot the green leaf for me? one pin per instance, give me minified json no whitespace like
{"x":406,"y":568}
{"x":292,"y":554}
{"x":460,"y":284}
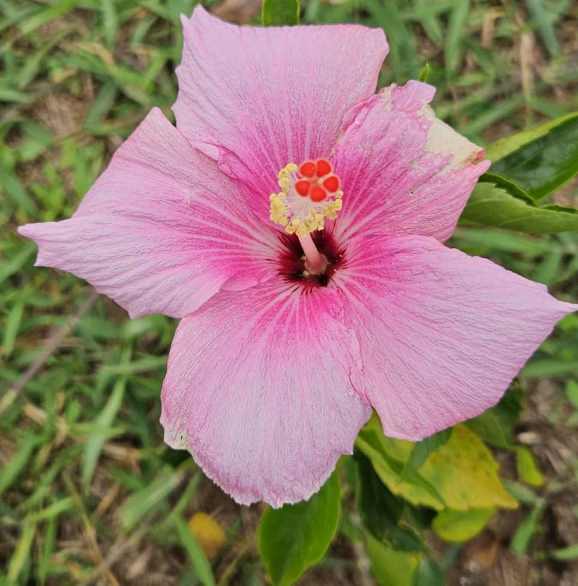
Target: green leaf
{"x":527,"y":467}
{"x":522,"y":493}
{"x":550,"y":367}
{"x":527,"y":529}
{"x":381,"y":510}
{"x":507,"y":185}
{"x":491,"y":429}
{"x":389,"y":458}
{"x":378,"y":506}
{"x":280,"y":12}
{"x":422,"y":450}
{"x":458,"y":526}
{"x":296,"y":537}
{"x":490,"y":205}
{"x":391,"y":567}
{"x":425,"y":72}
{"x":496,"y":425}
{"x":428,"y":573}
{"x":567,"y":553}
{"x":514,"y":142}
{"x":502,"y":241}
{"x":462,"y":474}
{"x":541,"y":159}
{"x":572,"y":393}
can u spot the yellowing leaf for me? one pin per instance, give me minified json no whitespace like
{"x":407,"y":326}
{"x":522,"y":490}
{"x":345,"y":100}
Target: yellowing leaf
{"x":391,"y":471}
{"x":208,"y":533}
{"x":528,"y":470}
{"x":461,"y":475}
{"x":461,"y":525}
{"x":465,"y":474}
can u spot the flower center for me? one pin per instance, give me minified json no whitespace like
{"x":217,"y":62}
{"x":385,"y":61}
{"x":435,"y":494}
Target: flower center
{"x":292,"y":264}
{"x":310,"y":194}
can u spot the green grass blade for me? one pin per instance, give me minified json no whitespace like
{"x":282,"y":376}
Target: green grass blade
{"x":280,"y":12}
{"x":198,"y":559}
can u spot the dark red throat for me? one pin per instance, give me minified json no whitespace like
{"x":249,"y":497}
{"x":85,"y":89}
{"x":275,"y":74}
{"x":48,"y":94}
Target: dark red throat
{"x":292,"y":265}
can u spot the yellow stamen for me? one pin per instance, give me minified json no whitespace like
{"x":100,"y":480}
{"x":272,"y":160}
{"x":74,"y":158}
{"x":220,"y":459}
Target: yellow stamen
{"x":297,"y":214}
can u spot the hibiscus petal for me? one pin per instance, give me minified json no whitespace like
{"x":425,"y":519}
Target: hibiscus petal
{"x":403,"y":170}
{"x":270,"y":96}
{"x":442,"y":334}
{"x":258,"y":390}
{"x":161,"y":230}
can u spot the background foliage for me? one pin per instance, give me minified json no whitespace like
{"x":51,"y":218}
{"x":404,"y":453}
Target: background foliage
{"x":88,"y":492}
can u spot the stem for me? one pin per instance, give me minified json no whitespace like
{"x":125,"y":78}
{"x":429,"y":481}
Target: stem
{"x":315,"y":262}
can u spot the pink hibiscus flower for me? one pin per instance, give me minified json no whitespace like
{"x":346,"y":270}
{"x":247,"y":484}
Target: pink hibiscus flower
{"x":293,"y":220}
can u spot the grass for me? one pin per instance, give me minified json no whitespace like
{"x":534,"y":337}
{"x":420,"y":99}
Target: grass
{"x":88,"y":492}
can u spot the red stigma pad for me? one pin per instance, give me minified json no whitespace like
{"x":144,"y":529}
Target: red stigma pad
{"x":318,"y":193}
{"x":323,"y":167}
{"x":316,"y":180}
{"x":302,"y":187}
{"x":307,"y":169}
{"x":331,"y":183}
